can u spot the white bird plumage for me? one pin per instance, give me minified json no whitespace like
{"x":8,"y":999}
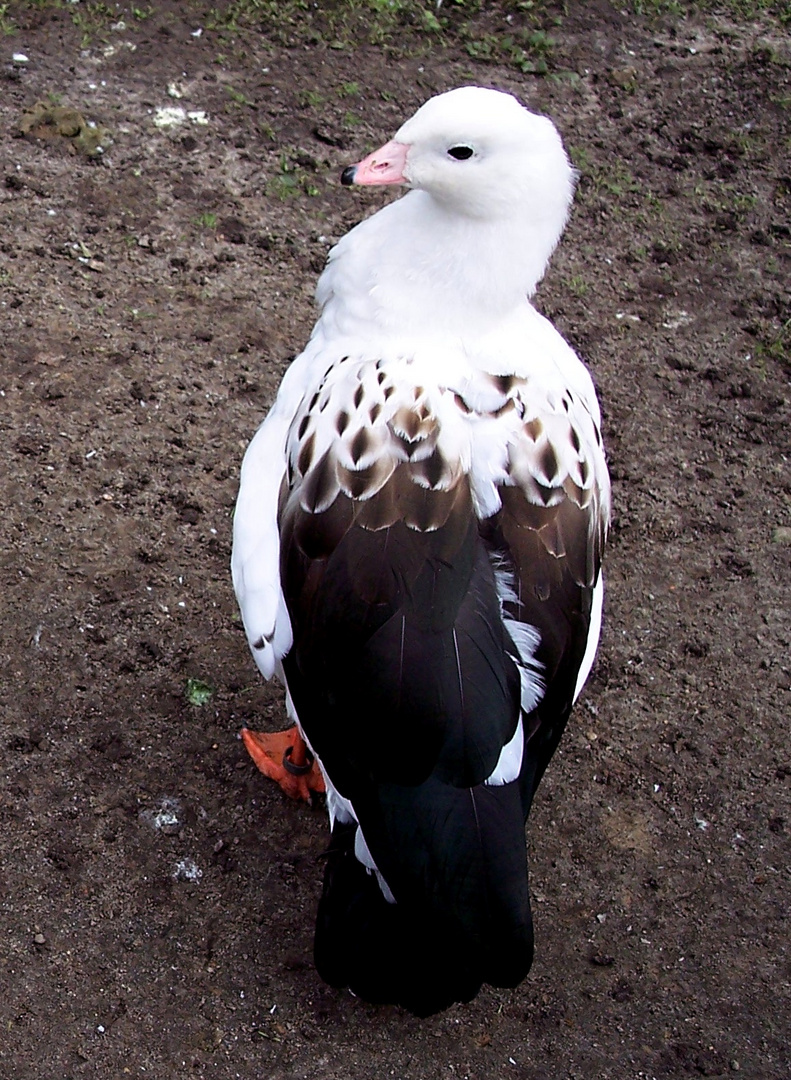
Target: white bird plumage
{"x":430,"y":375}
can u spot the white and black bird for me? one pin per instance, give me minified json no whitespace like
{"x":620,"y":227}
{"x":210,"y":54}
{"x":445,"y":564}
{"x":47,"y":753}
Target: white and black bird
{"x":417,"y":553}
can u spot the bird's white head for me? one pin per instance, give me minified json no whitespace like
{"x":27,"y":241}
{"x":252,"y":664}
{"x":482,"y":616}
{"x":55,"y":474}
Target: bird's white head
{"x":479,"y":153}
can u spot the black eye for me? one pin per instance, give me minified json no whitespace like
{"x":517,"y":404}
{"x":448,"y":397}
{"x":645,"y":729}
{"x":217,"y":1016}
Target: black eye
{"x":461,"y":153}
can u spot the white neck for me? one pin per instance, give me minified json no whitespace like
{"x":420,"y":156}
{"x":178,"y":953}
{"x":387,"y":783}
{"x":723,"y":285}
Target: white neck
{"x":418,"y":270}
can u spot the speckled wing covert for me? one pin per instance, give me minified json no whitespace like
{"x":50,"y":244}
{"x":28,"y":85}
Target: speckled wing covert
{"x":385,"y":449}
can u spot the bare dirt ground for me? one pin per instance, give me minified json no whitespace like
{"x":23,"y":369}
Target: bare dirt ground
{"x":157,"y":896}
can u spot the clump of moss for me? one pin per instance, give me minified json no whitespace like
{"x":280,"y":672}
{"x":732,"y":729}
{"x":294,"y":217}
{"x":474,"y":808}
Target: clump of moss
{"x":48,"y":121}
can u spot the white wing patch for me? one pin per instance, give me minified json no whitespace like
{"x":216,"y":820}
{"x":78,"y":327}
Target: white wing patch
{"x":524,"y":636}
{"x":509,"y":763}
{"x":597,"y":605}
{"x":340,"y":809}
{"x":527,"y":639}
{"x":255,"y":563}
{"x":363,"y":855}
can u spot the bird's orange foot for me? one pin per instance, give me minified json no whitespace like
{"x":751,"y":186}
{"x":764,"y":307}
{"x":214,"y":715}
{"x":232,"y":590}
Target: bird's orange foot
{"x":284,"y":758}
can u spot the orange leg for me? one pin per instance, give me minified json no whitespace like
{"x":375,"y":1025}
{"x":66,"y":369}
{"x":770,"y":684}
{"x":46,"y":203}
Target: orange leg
{"x":284,"y":758}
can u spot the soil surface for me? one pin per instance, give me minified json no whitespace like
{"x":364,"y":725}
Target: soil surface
{"x":157,"y":896}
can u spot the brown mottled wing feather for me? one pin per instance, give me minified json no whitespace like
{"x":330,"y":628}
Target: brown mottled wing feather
{"x":550,"y":532}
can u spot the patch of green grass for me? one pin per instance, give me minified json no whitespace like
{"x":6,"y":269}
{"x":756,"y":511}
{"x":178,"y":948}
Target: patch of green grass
{"x":753,"y":9}
{"x":719,"y":197}
{"x":612,"y":179}
{"x":742,"y":203}
{"x":311,"y":99}
{"x":777,"y":348}
{"x":291,"y":181}
{"x":92,"y":19}
{"x":206,"y":220}
{"x":516,"y":30}
{"x":577,"y":285}
{"x":198,"y":693}
{"x":579,"y":158}
{"x":238,"y":98}
{"x":570,"y":78}
{"x":616,"y":180}
{"x":654,"y":8}
{"x":738,"y":10}
{"x":7,"y":25}
{"x":529,"y":50}
{"x":267,"y":15}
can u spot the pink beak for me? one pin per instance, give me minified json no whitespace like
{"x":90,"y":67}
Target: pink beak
{"x":383,"y":166}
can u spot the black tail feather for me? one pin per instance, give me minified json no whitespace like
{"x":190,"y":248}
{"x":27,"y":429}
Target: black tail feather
{"x":392,"y":953}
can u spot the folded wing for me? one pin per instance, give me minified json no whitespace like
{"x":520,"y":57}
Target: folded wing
{"x":439,"y":548}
